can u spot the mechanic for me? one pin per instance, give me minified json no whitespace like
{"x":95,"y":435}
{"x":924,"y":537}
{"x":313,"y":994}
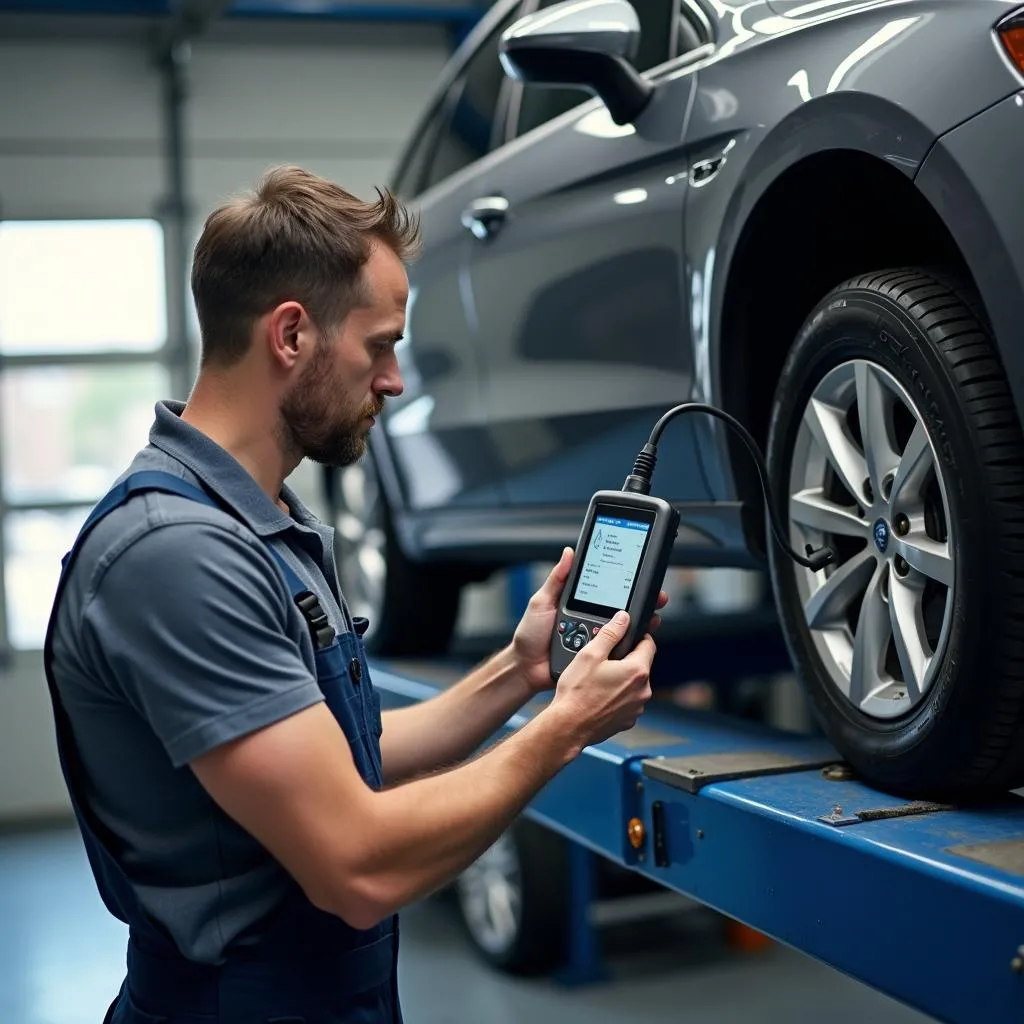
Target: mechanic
{"x":246,"y":808}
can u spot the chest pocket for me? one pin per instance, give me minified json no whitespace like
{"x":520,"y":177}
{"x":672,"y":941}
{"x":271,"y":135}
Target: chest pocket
{"x":344,"y":679}
{"x":345,"y":683}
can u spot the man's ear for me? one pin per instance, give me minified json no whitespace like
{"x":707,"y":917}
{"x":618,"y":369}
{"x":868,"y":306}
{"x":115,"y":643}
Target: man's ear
{"x":285,"y":324}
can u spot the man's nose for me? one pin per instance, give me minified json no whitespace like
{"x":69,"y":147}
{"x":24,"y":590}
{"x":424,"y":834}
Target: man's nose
{"x":390,"y":383}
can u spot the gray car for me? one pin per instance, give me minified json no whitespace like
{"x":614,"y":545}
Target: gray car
{"x":804,"y":213}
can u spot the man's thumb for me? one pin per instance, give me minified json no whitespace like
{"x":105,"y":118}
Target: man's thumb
{"x":611,"y":633}
{"x":558,"y":575}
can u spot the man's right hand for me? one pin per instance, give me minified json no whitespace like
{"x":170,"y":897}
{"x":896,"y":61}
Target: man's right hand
{"x":600,"y":697}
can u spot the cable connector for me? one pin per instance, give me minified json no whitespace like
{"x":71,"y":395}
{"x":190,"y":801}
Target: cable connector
{"x":818,"y":558}
{"x":639,"y":481}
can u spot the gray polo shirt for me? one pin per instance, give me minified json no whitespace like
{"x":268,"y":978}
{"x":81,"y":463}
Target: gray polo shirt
{"x":177,"y":634}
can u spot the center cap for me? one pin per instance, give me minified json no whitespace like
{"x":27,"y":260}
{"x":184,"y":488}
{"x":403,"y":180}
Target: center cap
{"x":880,"y":531}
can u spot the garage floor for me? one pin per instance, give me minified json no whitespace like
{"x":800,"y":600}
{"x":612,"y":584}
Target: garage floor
{"x":62,"y":956}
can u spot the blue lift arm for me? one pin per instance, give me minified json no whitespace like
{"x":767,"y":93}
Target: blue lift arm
{"x":920,"y":901}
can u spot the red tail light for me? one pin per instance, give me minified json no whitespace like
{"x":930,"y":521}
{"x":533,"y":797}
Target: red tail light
{"x":1011,"y":32}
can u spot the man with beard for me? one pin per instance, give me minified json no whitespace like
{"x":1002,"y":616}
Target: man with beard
{"x":246,"y":808}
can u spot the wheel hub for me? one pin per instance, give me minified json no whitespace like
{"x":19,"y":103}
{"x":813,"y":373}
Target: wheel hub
{"x":864,"y":480}
{"x":880,"y":532}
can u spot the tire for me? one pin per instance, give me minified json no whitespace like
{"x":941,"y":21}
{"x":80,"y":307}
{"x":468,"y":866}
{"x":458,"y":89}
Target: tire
{"x":951,"y":727}
{"x":412,"y":607}
{"x":527,"y":870}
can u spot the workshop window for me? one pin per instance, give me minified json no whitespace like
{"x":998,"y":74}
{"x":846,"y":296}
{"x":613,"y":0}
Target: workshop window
{"x":83,"y":335}
{"x":68,"y":431}
{"x":81,"y":286}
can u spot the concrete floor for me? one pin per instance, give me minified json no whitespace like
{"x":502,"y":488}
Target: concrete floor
{"x":62,"y":957}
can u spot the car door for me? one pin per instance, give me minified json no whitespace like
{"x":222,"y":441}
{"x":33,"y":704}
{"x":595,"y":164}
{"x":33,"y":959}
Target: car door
{"x":579,"y":286}
{"x":435,"y":439}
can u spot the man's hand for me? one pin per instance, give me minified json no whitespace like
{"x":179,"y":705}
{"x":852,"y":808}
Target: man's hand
{"x":531,"y":644}
{"x":598,"y":698}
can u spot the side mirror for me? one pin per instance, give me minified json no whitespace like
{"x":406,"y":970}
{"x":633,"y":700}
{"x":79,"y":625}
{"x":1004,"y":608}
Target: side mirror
{"x":586,"y":43}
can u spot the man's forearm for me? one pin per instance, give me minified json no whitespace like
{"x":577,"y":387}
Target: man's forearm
{"x":445,"y":730}
{"x":422,"y":834}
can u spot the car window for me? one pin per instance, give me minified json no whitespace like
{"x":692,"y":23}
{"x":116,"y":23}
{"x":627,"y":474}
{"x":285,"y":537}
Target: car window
{"x":694,"y":27}
{"x":406,"y":182}
{"x":541,"y":103}
{"x":468,"y":132}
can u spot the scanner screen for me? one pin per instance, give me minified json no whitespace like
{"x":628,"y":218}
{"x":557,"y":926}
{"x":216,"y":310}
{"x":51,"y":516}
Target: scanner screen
{"x":611,"y":561}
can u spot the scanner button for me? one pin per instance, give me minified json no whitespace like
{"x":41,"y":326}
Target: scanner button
{"x":563,"y":626}
{"x":594,"y":630}
{"x":578,"y":640}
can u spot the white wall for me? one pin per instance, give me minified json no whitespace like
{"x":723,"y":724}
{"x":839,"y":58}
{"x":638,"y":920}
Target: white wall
{"x":81,"y":123}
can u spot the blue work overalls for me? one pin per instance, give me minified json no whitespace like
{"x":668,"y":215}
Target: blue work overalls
{"x":310,"y":967}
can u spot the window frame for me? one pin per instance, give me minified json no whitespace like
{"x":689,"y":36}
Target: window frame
{"x":165,"y":355}
{"x":449,"y":88}
{"x":706,"y":25}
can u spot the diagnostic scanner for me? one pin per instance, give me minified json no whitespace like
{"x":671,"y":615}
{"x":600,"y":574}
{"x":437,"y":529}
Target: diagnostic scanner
{"x":620,"y":562}
{"x":624,"y":548}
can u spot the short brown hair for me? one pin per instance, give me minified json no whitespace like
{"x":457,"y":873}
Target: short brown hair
{"x":297,"y":236}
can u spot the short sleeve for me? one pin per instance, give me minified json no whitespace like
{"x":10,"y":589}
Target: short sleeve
{"x":191,"y":624}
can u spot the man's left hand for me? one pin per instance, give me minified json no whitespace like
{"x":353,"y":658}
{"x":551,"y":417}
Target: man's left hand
{"x":531,"y":644}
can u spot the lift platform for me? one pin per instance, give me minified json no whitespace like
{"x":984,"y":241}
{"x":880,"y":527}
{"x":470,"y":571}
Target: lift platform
{"x":921,"y":901}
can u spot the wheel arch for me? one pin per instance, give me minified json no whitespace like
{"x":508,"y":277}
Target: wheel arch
{"x":782,"y":265}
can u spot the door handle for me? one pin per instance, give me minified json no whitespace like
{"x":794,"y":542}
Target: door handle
{"x":484,"y":216}
{"x":704,"y":170}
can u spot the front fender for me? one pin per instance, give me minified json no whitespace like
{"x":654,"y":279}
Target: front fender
{"x":720,"y":215}
{"x":792,"y":81}
{"x":839,"y":121}
{"x":972,"y":179}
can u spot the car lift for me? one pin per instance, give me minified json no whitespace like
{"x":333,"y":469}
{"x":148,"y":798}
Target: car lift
{"x":921,"y":901}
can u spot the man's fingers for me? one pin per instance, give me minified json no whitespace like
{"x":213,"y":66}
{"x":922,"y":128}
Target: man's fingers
{"x":609,"y":635}
{"x":645,"y":651}
{"x":662,"y":600}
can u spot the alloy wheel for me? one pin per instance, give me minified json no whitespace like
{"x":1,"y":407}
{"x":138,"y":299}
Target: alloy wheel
{"x":865,"y":479}
{"x":361,"y":539}
{"x":490,"y":896}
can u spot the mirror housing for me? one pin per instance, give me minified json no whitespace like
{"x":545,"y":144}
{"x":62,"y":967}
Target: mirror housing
{"x":586,"y":43}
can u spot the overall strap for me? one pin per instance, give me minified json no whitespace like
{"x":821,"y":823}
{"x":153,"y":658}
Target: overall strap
{"x":306,"y":600}
{"x":158,"y":480}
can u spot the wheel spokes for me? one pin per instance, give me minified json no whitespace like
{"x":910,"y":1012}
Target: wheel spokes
{"x":894,"y":542}
{"x":915,"y":464}
{"x":871,"y":641}
{"x":501,"y":909}
{"x":828,"y":605}
{"x":931,"y":558}
{"x":490,"y":892}
{"x":810,"y":508}
{"x":908,"y":633}
{"x":361,"y":540}
{"x":828,"y":427}
{"x":874,"y":410}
